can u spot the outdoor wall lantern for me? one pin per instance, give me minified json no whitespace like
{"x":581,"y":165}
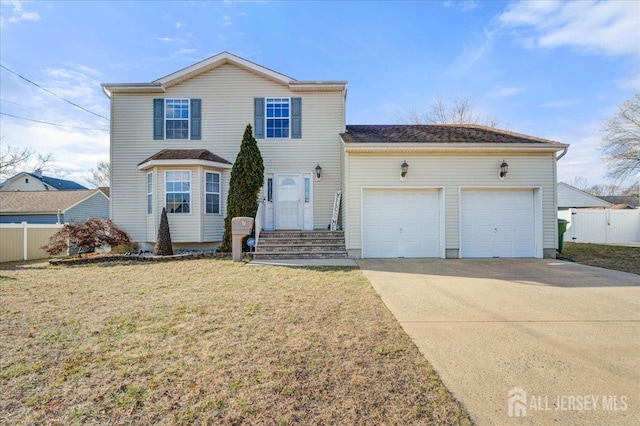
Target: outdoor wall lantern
{"x":504,"y":168}
{"x":318,"y":172}
{"x":404,"y":168}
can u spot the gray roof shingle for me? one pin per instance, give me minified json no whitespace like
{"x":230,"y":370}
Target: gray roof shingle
{"x":186,"y":154}
{"x":41,"y":201}
{"x":436,"y":133}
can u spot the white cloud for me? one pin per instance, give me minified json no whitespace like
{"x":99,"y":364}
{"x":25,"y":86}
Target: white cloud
{"x":170,"y":39}
{"x":506,"y":92}
{"x":583,"y":158}
{"x":185,"y":51}
{"x":629,"y":83}
{"x":17,"y":14}
{"x":608,"y":27}
{"x":461,"y":5}
{"x":473,"y":52}
{"x":561,"y":103}
{"x":178,"y":24}
{"x":75,"y":152}
{"x":226,"y":21}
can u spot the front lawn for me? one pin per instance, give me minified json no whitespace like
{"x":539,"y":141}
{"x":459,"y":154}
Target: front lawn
{"x":208,"y":342}
{"x":619,"y":258}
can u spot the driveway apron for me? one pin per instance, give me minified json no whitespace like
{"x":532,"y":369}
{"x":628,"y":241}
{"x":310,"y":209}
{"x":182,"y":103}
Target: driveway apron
{"x":534,"y":341}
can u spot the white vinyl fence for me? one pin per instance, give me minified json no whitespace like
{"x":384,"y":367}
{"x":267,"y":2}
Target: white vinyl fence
{"x":604,"y":226}
{"x":22,"y":241}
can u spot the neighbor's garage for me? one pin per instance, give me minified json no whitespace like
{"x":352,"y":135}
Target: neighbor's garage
{"x":497,"y":223}
{"x":401,"y":223}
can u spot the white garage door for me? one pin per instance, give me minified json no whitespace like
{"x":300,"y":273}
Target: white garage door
{"x":497,"y":223}
{"x":401,"y":223}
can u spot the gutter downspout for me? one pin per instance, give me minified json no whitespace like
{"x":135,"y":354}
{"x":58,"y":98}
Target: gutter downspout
{"x":563,"y":153}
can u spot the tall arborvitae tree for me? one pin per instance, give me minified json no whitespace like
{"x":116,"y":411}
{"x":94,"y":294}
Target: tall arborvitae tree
{"x":247,"y":177}
{"x":163,"y":245}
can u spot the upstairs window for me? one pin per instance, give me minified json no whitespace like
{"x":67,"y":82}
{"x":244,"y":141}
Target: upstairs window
{"x":277,"y":117}
{"x":176,"y":114}
{"x":178,"y":190}
{"x":177,"y":119}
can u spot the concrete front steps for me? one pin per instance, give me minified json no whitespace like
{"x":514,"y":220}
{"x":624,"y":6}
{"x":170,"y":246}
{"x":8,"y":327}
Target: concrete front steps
{"x":300,"y":245}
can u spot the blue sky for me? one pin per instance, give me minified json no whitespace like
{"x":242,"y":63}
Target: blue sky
{"x":549,"y":69}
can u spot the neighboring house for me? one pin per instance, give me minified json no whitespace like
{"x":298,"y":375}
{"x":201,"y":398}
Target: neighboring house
{"x":173,"y":142}
{"x":47,"y":207}
{"x":37,"y":182}
{"x":622,"y":201}
{"x":570,"y":197}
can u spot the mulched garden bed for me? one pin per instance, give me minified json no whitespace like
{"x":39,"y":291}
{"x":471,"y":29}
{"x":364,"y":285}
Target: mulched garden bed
{"x":137,"y":257}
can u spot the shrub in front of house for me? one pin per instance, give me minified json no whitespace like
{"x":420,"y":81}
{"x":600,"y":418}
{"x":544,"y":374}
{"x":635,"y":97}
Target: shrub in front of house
{"x":163,"y":245}
{"x":247,"y":177}
{"x":87,"y":236}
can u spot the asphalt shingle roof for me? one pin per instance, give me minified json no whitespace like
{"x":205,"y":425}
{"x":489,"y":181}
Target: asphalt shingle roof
{"x":185,"y":154}
{"x":61,"y":184}
{"x":435,"y":133}
{"x":630,"y":200}
{"x":41,"y":201}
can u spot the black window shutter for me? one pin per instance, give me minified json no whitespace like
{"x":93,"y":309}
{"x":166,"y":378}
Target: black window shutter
{"x":258,"y":118}
{"x":296,"y":118}
{"x":196,"y":119}
{"x":158,"y":119}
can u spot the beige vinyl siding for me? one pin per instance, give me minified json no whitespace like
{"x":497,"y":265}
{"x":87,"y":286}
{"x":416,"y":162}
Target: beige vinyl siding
{"x":451,"y":172}
{"x":227,"y":95}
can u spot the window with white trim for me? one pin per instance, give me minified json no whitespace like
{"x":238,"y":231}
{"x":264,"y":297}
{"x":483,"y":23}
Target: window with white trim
{"x":150,"y":193}
{"x":178,"y":191}
{"x":278,"y":115}
{"x":212,"y":192}
{"x":176,"y":118}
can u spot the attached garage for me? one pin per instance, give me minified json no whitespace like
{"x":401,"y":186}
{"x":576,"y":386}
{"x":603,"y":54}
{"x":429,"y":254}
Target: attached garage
{"x":498,"y":223}
{"x":401,"y":223}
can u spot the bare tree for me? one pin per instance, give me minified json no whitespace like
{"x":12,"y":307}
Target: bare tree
{"x":101,"y":176}
{"x":621,"y":140}
{"x":15,"y":159}
{"x":459,"y":111}
{"x":579,"y":182}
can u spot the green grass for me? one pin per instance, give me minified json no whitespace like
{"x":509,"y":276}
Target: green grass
{"x":208,"y":342}
{"x":619,"y":258}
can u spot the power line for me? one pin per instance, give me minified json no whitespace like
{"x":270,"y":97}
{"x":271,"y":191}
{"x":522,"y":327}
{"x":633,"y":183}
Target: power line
{"x":54,"y":94}
{"x":52,"y":124}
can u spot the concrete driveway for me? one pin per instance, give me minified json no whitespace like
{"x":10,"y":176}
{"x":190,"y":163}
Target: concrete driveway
{"x":566,"y":335}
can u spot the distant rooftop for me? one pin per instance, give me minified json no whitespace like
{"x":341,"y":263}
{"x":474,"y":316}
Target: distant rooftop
{"x":630,"y":200}
{"x":41,"y":201}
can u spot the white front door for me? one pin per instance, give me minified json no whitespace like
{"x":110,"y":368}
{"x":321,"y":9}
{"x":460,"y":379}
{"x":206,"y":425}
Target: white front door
{"x":288,"y":202}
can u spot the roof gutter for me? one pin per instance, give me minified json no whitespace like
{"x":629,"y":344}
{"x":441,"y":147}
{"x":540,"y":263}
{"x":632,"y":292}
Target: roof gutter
{"x":563,"y":153}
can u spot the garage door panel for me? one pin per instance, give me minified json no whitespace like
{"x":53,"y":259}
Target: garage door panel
{"x":497,"y":223}
{"x":401,"y":223}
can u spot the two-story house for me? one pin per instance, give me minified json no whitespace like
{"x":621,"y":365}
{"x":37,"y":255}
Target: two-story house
{"x":407,"y":191}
